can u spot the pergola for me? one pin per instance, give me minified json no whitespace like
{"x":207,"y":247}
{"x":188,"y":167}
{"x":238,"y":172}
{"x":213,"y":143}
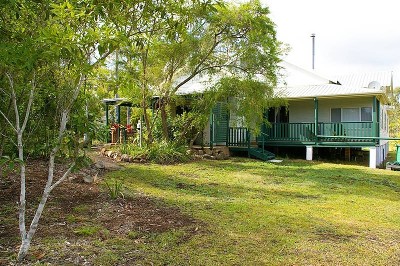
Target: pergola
{"x":118,"y":103}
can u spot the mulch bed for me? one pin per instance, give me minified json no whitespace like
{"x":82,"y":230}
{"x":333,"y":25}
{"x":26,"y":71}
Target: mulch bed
{"x":118,"y":217}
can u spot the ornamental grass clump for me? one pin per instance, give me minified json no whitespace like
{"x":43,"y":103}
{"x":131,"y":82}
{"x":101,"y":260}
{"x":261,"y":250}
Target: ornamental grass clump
{"x":164,"y":152}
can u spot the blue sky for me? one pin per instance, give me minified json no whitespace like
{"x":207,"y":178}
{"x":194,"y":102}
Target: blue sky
{"x":352,"y":36}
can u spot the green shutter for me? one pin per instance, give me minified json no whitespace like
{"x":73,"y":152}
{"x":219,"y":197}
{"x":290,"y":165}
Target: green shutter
{"x":221,"y":120}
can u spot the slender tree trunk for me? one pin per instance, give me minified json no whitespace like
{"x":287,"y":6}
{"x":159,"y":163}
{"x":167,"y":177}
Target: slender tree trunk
{"x":22,"y":196}
{"x":26,"y":237}
{"x":144,"y":98}
{"x":193,"y":139}
{"x":164,"y":119}
{"x":146,"y":121}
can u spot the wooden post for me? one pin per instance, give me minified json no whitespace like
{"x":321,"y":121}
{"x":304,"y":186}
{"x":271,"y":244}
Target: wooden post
{"x":316,"y":119}
{"x":374,"y":118}
{"x":211,"y":130}
{"x":378,"y":119}
{"x":227,"y":127}
{"x":248,"y":141}
{"x":118,"y":111}
{"x":347,"y":154}
{"x":107,"y":124}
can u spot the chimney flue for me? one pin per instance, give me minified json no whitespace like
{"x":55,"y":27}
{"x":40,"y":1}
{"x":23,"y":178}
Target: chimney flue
{"x":313,"y":50}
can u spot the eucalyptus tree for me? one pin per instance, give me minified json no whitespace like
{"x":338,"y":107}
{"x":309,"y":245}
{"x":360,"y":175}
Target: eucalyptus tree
{"x":236,"y":45}
{"x":229,"y":43}
{"x":140,"y":61}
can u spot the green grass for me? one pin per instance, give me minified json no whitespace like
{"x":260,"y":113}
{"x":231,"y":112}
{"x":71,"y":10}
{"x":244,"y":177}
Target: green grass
{"x":255,"y":213}
{"x":87,"y":230}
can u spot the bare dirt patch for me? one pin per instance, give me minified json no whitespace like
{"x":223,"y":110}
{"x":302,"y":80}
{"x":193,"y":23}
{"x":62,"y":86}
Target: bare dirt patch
{"x":78,"y":212}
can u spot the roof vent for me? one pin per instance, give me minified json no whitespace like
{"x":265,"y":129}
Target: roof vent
{"x":374,"y":85}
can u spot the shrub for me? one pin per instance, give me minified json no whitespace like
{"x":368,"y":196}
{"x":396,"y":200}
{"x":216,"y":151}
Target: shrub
{"x":161,"y":152}
{"x":164,"y":152}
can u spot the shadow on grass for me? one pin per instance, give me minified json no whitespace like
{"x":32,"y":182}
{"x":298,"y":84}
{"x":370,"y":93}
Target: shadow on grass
{"x":323,"y":179}
{"x":277,"y":206}
{"x":318,"y":182}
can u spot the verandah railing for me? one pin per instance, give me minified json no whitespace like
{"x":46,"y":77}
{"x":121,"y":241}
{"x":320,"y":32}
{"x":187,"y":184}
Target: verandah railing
{"x":350,"y":129}
{"x":238,"y":136}
{"x":291,"y":132}
{"x":305,"y":132}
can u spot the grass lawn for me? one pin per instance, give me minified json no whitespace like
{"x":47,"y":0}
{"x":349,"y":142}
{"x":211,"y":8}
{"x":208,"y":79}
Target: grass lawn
{"x":233,"y":212}
{"x":254,"y":213}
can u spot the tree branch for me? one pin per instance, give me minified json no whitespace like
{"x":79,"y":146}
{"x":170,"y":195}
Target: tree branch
{"x":195,"y":71}
{"x":8,"y":121}
{"x":14,"y":101}
{"x":13,"y":142}
{"x":63,"y":177}
{"x":30,"y":101}
{"x":5,"y":92}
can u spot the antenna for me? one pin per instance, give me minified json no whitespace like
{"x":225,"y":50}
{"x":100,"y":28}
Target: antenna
{"x":313,"y":50}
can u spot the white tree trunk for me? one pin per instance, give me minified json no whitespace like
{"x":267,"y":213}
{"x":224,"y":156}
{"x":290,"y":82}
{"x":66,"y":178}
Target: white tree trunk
{"x":26,"y":237}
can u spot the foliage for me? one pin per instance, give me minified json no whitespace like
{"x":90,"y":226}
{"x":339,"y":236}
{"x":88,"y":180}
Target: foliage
{"x":161,"y":152}
{"x":167,"y":152}
{"x":8,"y":164}
{"x":208,"y":40}
{"x":53,"y":71}
{"x":47,"y":52}
{"x":238,"y":90}
{"x":187,"y":126}
{"x":394,"y":114}
{"x":131,"y":149}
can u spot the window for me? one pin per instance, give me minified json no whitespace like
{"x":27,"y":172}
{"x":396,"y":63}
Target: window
{"x":350,"y":114}
{"x":336,"y":115}
{"x":366,"y":114}
{"x":363,"y":114}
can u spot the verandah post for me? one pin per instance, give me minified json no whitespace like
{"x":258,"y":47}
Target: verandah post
{"x":248,"y":141}
{"x":108,"y":135}
{"x":227,"y":128}
{"x":211,"y":129}
{"x":374,"y":118}
{"x":316,"y":119}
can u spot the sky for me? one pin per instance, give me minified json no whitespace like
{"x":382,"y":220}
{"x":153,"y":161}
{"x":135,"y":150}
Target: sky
{"x":352,"y":36}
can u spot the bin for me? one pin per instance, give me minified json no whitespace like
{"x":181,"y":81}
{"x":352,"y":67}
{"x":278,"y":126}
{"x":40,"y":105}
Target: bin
{"x":398,"y":153}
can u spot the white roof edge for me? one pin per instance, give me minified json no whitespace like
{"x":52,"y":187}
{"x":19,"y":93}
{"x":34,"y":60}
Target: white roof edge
{"x":332,"y":95}
{"x":312,"y":73}
{"x":325,"y":91}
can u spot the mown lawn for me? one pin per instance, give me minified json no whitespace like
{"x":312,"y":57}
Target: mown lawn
{"x":256,"y":213}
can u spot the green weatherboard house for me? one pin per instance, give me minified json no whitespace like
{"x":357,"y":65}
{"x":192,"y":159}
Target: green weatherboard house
{"x":344,"y":112}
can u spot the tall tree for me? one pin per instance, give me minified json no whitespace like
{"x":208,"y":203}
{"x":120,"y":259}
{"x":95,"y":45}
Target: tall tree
{"x":214,"y":39}
{"x":69,"y":39}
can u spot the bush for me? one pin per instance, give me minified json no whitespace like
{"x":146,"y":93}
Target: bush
{"x":162,"y":152}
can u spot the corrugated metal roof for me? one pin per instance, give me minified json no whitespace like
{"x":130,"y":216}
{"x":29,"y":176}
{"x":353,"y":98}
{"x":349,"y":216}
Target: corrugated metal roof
{"x":325,"y":90}
{"x":301,"y":83}
{"x":363,"y":79}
